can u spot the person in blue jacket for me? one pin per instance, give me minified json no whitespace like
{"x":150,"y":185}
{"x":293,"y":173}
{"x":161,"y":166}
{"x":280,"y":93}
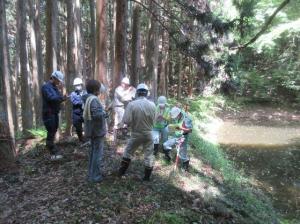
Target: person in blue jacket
{"x":77,"y":109}
{"x":52,"y":98}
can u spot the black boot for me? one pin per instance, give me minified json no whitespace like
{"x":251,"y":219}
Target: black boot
{"x":80,"y":137}
{"x":148,"y":171}
{"x":185,"y":165}
{"x":50,"y":147}
{"x":167,"y":155}
{"x":124,"y":166}
{"x":156,"y":148}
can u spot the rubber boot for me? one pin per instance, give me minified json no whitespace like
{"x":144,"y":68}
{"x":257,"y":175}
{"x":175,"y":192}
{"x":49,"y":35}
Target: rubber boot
{"x":148,"y":171}
{"x":156,"y":148}
{"x":167,"y":155}
{"x":50,"y":147}
{"x":80,"y":137}
{"x":124,"y":166}
{"x":185,"y":165}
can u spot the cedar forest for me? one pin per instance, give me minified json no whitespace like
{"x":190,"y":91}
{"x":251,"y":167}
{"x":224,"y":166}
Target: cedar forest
{"x":211,"y":56}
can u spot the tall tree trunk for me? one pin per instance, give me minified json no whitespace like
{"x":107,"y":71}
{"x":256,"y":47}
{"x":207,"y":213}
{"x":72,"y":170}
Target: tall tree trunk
{"x":39,"y":46}
{"x":93,"y":38}
{"x":26,"y":103}
{"x":153,"y":46}
{"x":16,"y":75}
{"x":101,"y":42}
{"x":190,"y":78}
{"x":112,"y":18}
{"x":62,"y":9}
{"x":35,"y":66}
{"x":136,"y":44}
{"x":164,"y":64}
{"x":171,"y":69}
{"x":120,"y":42}
{"x":51,"y":38}
{"x":73,"y":52}
{"x":63,"y":36}
{"x":7,"y":146}
{"x":179,"y":86}
{"x":77,"y":38}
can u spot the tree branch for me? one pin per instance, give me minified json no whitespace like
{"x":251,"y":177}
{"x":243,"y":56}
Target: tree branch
{"x":266,"y":25}
{"x":155,"y":17}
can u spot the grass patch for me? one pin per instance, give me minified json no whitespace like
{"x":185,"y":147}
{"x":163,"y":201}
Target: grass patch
{"x":165,"y":217}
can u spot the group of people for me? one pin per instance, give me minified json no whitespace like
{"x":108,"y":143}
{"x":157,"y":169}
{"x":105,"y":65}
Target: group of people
{"x":149,"y":124}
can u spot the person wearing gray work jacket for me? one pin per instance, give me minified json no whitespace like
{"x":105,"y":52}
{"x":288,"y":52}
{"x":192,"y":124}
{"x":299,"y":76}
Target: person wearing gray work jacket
{"x":139,"y":116}
{"x":95,"y":129}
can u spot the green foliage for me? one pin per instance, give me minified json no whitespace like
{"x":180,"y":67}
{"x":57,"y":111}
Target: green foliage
{"x":215,"y":157}
{"x":287,"y":221}
{"x":38,"y":132}
{"x":269,"y":69}
{"x":204,"y":107}
{"x":270,"y":72}
{"x":165,"y":218}
{"x":251,"y":203}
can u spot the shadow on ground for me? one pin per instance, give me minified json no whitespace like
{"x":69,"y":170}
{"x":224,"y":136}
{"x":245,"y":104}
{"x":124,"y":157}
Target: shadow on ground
{"x":40,"y":191}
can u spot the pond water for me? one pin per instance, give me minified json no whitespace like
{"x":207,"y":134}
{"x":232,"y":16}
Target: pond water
{"x":270,"y":154}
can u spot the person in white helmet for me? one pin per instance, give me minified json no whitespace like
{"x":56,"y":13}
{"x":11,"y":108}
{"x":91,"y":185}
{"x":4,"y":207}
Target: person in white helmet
{"x":77,"y":109}
{"x":180,"y":126}
{"x":139,"y":116}
{"x":52,"y":98}
{"x":124,"y":93}
{"x":162,"y":117}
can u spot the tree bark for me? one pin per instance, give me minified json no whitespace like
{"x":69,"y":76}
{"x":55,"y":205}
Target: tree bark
{"x":51,"y":38}
{"x":7,"y":143}
{"x":73,"y":53}
{"x":164,"y":64}
{"x":190,"y":78}
{"x":92,"y":38}
{"x":136,"y":44}
{"x":153,"y":51}
{"x":35,"y":65}
{"x":112,"y":28}
{"x":101,"y":60}
{"x":120,"y":42}
{"x":39,"y":46}
{"x":179,"y":86}
{"x":26,"y":103}
{"x":16,"y":75}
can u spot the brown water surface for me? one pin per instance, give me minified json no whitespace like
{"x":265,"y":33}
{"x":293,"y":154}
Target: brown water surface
{"x":270,"y":154}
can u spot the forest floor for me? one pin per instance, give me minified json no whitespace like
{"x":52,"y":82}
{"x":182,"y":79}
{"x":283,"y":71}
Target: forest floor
{"x":40,"y":191}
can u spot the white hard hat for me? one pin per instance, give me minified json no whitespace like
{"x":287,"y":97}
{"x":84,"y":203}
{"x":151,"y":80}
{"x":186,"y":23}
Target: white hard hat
{"x":58,"y":75}
{"x":175,"y":111}
{"x":102,"y":89}
{"x":77,"y":81}
{"x":125,"y":80}
{"x":162,"y":100}
{"x":142,"y":86}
